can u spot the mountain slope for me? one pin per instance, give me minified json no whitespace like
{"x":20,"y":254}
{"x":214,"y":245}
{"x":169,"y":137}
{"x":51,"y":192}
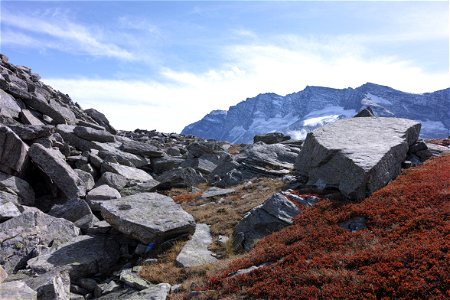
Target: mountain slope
{"x":298,"y":113}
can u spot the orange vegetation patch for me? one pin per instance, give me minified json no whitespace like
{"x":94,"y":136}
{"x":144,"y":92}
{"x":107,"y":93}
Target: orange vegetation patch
{"x":187,"y":197}
{"x":403,"y":253}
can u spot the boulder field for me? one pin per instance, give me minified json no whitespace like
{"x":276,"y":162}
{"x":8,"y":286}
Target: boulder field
{"x":83,"y":204}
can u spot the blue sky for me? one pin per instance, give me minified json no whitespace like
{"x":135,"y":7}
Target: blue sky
{"x":164,"y":64}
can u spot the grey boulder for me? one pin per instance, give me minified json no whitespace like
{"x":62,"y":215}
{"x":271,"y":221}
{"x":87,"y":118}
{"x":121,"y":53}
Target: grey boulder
{"x":148,"y":217}
{"x":17,"y":187}
{"x":82,"y":256}
{"x":22,"y":237}
{"x":8,"y":106}
{"x":16,"y":290}
{"x":52,"y":163}
{"x":13,"y":152}
{"x":140,"y":148}
{"x":77,"y":211}
{"x":273,"y":215}
{"x":357,"y":156}
{"x":92,"y":134}
{"x":8,"y":210}
{"x":53,"y":285}
{"x":129,"y":173}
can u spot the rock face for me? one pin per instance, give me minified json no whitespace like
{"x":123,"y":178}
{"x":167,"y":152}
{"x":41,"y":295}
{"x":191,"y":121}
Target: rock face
{"x":55,"y":167}
{"x":148,"y":217}
{"x":356,"y":156}
{"x":195,"y":252}
{"x":13,"y":152}
{"x":273,"y":215}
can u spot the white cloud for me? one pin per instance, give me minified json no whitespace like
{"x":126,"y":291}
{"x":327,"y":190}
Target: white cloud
{"x":62,"y":35}
{"x":184,"y":97}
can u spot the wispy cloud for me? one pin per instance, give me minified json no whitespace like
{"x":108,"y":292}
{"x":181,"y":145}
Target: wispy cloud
{"x":183,"y":97}
{"x":62,"y":35}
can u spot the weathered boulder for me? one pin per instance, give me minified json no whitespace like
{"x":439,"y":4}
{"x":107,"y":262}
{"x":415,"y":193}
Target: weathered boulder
{"x":96,"y":196}
{"x":92,"y":134}
{"x":140,"y":187}
{"x":100,"y":119}
{"x":156,"y":292}
{"x":133,"y":280}
{"x":148,"y":217}
{"x":77,"y":211}
{"x":358,"y":155}
{"x":32,"y":132}
{"x":15,"y":290}
{"x":180,"y":178}
{"x":109,"y":150}
{"x":129,"y":173}
{"x":195,"y":252}
{"x":271,"y":138}
{"x":114,"y":180}
{"x":87,"y":178}
{"x":69,"y":136}
{"x":8,"y":210}
{"x":52,"y":163}
{"x":27,"y":117}
{"x":273,"y":215}
{"x":53,"y":285}
{"x":17,"y":187}
{"x":166,"y":163}
{"x":22,"y":236}
{"x":215,"y":192}
{"x":140,"y":148}
{"x":13,"y":152}
{"x":82,"y":256}
{"x":8,"y":106}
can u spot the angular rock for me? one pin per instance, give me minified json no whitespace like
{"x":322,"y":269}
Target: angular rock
{"x":67,"y":133}
{"x":156,"y":292}
{"x":148,"y":217}
{"x":365,"y":113}
{"x":104,"y":192}
{"x":27,"y":117}
{"x":271,"y":138}
{"x":100,"y":119}
{"x":32,"y":132}
{"x":18,"y":187}
{"x":166,"y":163}
{"x":108,"y":150}
{"x":144,"y":187}
{"x":114,"y":180}
{"x":92,"y":134}
{"x":133,"y":280}
{"x":16,"y":290}
{"x":214,"y":192}
{"x":140,"y":148}
{"x":195,"y":252}
{"x":180,"y":178}
{"x":8,"y":106}
{"x":52,"y":163}
{"x":22,"y":236}
{"x":8,"y":210}
{"x":129,"y":173}
{"x":87,"y":178}
{"x":273,"y":215}
{"x":51,"y":285}
{"x":13,"y":152}
{"x":76,"y":211}
{"x":358,"y":155}
{"x":82,"y":256}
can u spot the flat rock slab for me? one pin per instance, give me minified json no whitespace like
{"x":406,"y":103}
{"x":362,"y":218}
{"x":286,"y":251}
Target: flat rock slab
{"x":52,"y":163}
{"x":214,"y":192}
{"x":8,"y":106}
{"x":273,"y":215}
{"x":13,"y":152}
{"x":148,"y":217}
{"x":195,"y":252}
{"x":129,"y":173}
{"x":92,"y":134}
{"x":358,"y":156}
{"x":140,"y":148}
{"x":8,"y":210}
{"x":16,"y":290}
{"x":83,"y":256}
{"x":22,"y":235}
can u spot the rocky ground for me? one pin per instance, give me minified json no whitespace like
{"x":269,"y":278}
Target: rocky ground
{"x":90,"y":212}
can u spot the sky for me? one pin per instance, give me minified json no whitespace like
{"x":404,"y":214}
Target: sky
{"x":165,"y":64}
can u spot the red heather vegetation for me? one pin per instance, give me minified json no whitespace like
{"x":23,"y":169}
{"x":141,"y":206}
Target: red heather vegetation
{"x":402,"y":254}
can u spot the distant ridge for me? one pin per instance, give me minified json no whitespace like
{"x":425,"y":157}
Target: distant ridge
{"x":298,"y":113}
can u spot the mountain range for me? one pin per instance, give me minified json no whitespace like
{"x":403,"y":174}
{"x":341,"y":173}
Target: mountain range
{"x":298,"y":113}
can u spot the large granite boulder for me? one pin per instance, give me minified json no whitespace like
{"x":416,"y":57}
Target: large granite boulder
{"x":13,"y":152}
{"x":17,"y":187}
{"x":8,"y":106}
{"x":273,"y":215}
{"x":82,"y":256}
{"x":195,"y":252}
{"x":356,"y":156}
{"x":52,"y":163}
{"x":148,"y":217}
{"x":24,"y":236}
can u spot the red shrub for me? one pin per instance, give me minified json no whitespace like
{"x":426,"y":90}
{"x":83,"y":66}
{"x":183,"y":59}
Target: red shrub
{"x":402,"y":254}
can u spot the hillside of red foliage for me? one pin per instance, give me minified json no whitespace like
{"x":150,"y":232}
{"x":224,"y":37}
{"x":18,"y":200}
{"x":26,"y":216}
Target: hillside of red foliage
{"x":402,"y":254}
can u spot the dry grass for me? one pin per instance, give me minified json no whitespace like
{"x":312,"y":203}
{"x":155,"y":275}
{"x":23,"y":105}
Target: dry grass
{"x":222,"y":214}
